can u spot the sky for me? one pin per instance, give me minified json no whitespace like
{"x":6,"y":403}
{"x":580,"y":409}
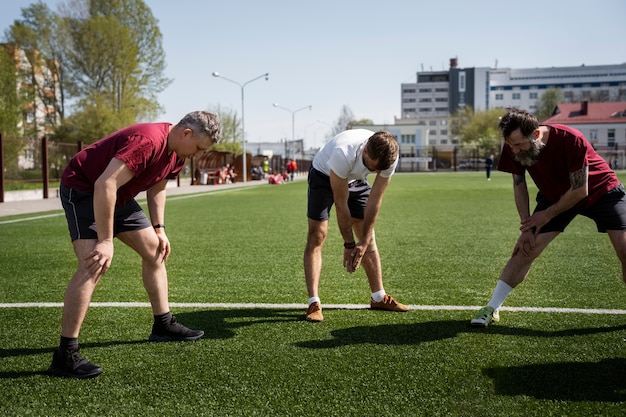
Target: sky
{"x":333,"y":53}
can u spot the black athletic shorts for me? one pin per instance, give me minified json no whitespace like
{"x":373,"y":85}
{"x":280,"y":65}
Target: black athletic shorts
{"x":81,"y":222}
{"x":609,"y":212}
{"x":320,"y":196}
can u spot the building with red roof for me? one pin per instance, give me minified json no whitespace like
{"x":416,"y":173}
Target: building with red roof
{"x":602,"y":123}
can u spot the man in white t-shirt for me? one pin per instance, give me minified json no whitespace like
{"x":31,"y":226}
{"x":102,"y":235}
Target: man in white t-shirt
{"x":338,"y":176}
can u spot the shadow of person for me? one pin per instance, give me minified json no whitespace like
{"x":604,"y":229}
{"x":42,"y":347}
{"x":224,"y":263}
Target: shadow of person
{"x":563,"y":381}
{"x":415,"y":333}
{"x":390,"y":334}
{"x":521,"y":331}
{"x":223,"y":323}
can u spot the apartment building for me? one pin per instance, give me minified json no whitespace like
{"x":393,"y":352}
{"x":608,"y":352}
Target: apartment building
{"x":428,"y":104}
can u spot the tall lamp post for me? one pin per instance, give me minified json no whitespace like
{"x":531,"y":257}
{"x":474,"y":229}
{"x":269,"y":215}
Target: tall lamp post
{"x":243,"y":129}
{"x":293,"y":119}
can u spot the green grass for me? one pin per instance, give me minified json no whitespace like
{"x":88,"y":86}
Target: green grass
{"x":444,"y":239}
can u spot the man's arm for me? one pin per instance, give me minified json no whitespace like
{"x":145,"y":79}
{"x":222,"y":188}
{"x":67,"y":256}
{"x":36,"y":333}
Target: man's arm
{"x":579,"y":189}
{"x":156,"y":196}
{"x":520,"y":192}
{"x":372,"y":208}
{"x":340,"y":195}
{"x":104,"y":198}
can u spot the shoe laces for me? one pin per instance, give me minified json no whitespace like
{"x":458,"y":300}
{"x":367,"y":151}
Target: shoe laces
{"x":77,"y":359}
{"x":313,"y":308}
{"x":387,"y":299}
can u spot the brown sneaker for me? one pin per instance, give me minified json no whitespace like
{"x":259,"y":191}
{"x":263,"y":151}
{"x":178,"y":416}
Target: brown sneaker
{"x":389,"y":304}
{"x":314,"y":313}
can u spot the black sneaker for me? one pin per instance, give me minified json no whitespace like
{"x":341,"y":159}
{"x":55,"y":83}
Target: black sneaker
{"x":174,"y":332}
{"x":70,"y":363}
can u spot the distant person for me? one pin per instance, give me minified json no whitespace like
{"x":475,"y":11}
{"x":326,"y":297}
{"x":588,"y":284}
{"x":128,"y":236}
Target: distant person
{"x":230,"y":174}
{"x":292,"y":167}
{"x":338,"y":176}
{"x":572,"y":179}
{"x":266,"y":167}
{"x":257,"y":173}
{"x":488,"y":166}
{"x":275,"y":179}
{"x":98,"y":190}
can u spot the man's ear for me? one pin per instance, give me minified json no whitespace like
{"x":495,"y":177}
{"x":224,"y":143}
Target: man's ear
{"x":187,"y":132}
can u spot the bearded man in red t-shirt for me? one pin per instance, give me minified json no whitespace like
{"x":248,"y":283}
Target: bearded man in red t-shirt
{"x":98,"y":190}
{"x":572,"y":179}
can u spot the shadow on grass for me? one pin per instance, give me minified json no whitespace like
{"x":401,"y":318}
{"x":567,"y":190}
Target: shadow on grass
{"x":412,"y":334}
{"x":222,"y":324}
{"x":520,"y":331}
{"x":5,"y":353}
{"x":565,"y":381}
{"x":390,"y":334}
{"x":217,"y":324}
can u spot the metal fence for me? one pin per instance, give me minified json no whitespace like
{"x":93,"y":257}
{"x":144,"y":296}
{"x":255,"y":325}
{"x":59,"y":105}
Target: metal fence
{"x":27,"y":164}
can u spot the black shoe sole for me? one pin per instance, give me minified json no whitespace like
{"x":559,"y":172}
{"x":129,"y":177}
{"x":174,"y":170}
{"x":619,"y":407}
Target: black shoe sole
{"x":157,"y":338}
{"x":65,"y":374}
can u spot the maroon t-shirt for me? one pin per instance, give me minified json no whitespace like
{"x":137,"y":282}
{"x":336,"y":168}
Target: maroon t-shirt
{"x":142,"y":147}
{"x":566,"y":151}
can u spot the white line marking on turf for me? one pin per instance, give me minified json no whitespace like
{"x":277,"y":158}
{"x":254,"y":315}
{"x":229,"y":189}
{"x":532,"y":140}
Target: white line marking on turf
{"x":30,"y":218}
{"x":326,"y":306}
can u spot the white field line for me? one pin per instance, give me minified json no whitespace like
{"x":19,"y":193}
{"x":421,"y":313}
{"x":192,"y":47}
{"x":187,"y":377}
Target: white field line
{"x":31,"y":218}
{"x":170,"y":198}
{"x":326,"y":306}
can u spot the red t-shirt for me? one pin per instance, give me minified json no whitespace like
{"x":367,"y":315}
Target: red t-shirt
{"x":142,"y":147}
{"x":566,"y":151}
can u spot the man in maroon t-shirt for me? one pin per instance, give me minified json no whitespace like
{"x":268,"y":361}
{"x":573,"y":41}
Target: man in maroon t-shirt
{"x":98,"y":190}
{"x":572,"y":179}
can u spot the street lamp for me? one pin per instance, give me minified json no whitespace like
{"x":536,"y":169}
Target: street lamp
{"x":243,"y":129}
{"x":293,"y":119}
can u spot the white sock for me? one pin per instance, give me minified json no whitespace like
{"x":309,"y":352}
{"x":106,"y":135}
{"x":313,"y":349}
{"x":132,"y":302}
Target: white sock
{"x":378,"y":296}
{"x":313,"y":300}
{"x":500,"y":293}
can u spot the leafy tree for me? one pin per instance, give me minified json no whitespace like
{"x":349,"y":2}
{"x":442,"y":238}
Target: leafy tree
{"x":39,"y":34}
{"x":231,"y":131}
{"x":10,"y":113}
{"x":107,"y":57}
{"x":478,"y":129}
{"x":360,"y":122}
{"x":548,"y":102}
{"x":9,"y":99}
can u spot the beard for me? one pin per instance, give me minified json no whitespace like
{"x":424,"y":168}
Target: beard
{"x":531,"y":156}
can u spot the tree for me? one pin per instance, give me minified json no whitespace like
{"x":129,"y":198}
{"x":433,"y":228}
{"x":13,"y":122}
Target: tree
{"x":344,"y":121}
{"x":10,"y":113}
{"x":39,"y":34}
{"x":360,"y":122}
{"x":548,"y":102}
{"x":10,"y":105}
{"x":231,"y":131}
{"x":107,"y":57}
{"x":478,"y":129}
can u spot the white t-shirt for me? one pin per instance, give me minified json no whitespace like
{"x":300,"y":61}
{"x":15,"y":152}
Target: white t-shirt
{"x":343,"y":154}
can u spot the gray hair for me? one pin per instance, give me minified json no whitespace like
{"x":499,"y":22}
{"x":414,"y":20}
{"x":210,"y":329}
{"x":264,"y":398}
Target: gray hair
{"x":203,"y":122}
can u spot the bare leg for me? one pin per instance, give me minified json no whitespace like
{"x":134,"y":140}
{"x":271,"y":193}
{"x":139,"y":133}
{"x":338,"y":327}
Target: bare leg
{"x":79,"y":291}
{"x":313,"y":255}
{"x":153,"y":271}
{"x":519,"y":264}
{"x":371,"y":259}
{"x":618,"y":239}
